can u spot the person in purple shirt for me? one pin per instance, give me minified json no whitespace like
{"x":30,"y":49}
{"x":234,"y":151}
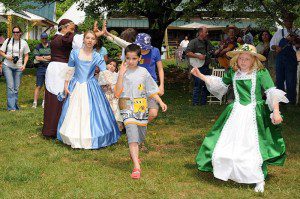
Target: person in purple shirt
{"x":151,"y":60}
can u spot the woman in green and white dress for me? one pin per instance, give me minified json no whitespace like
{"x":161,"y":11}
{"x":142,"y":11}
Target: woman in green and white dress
{"x":247,"y":136}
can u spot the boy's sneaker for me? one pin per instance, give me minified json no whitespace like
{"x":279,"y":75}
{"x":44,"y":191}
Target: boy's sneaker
{"x":34,"y":105}
{"x":43,"y":103}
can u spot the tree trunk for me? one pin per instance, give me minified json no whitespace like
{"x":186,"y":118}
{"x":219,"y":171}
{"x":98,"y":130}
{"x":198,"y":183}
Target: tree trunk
{"x":157,"y":37}
{"x":157,"y":32}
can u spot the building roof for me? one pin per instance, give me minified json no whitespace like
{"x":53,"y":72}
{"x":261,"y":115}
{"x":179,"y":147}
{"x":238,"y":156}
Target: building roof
{"x":25,"y":15}
{"x":47,"y":11}
{"x":196,"y":25}
{"x":78,"y":16}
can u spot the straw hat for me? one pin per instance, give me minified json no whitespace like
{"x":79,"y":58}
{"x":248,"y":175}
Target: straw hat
{"x":246,"y":48}
{"x":236,"y":30}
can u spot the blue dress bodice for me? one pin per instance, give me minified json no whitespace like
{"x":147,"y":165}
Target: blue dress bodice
{"x":84,"y":70}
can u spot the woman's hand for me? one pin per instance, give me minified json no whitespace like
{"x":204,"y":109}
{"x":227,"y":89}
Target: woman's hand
{"x":66,"y":89}
{"x":22,"y":68}
{"x":8,"y":57}
{"x":96,"y":30}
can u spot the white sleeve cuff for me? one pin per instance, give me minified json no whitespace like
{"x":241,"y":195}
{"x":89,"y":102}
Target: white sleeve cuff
{"x":216,"y":86}
{"x":274,"y":96}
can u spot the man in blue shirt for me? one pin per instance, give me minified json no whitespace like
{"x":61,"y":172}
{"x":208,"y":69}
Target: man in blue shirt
{"x":151,"y":60}
{"x":42,"y":54}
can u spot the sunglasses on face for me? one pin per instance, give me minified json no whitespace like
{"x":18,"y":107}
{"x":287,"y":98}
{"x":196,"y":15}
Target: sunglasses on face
{"x":17,"y":32}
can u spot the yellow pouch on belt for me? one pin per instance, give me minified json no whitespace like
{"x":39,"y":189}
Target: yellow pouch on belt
{"x":140,"y":105}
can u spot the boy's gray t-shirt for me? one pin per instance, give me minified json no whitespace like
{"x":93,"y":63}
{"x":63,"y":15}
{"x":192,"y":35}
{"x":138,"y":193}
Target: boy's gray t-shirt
{"x":138,"y":85}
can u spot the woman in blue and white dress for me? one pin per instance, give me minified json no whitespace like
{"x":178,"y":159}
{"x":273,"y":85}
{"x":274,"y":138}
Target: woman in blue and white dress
{"x":87,"y":120}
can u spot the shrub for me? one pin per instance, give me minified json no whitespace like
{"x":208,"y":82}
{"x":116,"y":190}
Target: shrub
{"x":32,"y":44}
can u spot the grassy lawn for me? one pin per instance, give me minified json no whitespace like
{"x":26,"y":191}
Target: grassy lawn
{"x":34,"y":167}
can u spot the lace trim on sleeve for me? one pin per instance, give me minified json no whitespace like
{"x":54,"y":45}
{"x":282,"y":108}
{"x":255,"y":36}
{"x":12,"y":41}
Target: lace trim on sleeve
{"x":275,"y":95}
{"x":216,"y":86}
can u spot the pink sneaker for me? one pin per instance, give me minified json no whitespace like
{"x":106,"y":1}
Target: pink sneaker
{"x":136,"y":174}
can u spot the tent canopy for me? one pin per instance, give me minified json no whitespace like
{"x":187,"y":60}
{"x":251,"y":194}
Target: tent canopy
{"x":74,"y":14}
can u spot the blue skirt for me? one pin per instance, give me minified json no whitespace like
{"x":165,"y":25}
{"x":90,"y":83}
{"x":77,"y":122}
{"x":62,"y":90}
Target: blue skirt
{"x":87,"y":120}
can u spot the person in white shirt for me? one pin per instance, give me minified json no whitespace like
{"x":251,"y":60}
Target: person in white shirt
{"x":286,"y":60}
{"x":13,"y":50}
{"x":184,"y":43}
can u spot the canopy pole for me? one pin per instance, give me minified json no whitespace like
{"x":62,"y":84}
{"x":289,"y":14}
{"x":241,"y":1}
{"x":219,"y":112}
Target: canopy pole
{"x":167,"y":42}
{"x":9,"y":26}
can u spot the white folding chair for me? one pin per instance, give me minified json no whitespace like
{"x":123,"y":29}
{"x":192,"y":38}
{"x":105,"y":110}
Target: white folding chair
{"x":210,"y":98}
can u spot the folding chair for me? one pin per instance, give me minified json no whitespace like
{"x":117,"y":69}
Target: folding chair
{"x":210,"y":98}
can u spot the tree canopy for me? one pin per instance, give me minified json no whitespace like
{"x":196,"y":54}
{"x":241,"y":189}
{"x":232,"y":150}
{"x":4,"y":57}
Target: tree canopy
{"x":162,"y":13}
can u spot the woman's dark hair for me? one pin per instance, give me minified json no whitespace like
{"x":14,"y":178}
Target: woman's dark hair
{"x":133,"y":48}
{"x":17,"y":27}
{"x":129,"y":35}
{"x":113,"y":60}
{"x":99,"y":44}
{"x":262,"y":32}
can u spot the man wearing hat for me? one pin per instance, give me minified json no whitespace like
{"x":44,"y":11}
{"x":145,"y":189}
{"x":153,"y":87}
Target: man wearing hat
{"x":227,"y":44}
{"x":286,"y":60}
{"x":42,"y":57}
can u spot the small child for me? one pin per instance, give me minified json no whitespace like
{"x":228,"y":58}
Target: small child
{"x":135,"y":87}
{"x":246,"y":137}
{"x":108,"y":79}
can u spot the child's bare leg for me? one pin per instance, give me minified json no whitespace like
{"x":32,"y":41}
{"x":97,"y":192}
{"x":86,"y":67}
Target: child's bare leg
{"x":134,"y":153}
{"x":152,"y":114}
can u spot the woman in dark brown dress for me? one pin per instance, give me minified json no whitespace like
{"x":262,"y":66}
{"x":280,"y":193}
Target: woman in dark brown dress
{"x":61,"y":46}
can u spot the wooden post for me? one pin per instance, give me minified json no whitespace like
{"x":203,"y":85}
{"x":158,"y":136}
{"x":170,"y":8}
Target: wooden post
{"x":9,"y":26}
{"x":27,"y":28}
{"x":167,"y":43}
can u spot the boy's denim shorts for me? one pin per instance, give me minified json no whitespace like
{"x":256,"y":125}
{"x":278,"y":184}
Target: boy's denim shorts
{"x":135,"y":133}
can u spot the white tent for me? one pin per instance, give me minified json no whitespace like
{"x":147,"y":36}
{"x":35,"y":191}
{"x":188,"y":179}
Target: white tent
{"x":74,"y":14}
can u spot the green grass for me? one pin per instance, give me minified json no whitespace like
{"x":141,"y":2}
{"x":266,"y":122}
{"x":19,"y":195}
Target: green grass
{"x":34,"y":167}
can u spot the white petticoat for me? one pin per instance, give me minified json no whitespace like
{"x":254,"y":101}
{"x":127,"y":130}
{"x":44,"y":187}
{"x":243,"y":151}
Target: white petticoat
{"x":236,"y":155}
{"x":75,"y":129}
